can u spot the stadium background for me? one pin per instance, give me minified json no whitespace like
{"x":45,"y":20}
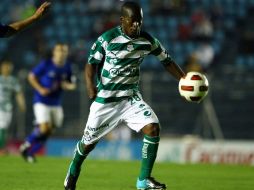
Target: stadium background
{"x":226,"y":115}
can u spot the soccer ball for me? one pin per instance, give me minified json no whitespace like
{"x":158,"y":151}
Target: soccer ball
{"x":193,"y":87}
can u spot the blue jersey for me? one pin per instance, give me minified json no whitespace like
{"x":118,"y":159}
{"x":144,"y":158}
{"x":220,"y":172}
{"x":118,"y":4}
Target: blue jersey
{"x":50,"y":76}
{"x":3,"y":30}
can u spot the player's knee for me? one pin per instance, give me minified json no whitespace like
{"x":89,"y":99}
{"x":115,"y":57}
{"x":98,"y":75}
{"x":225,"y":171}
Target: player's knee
{"x":88,"y":147}
{"x":152,"y":129}
{"x":45,"y":128}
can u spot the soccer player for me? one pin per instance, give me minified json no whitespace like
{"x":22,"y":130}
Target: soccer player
{"x":9,"y":87}
{"x":115,"y":60}
{"x":11,"y":29}
{"x":48,"y":79}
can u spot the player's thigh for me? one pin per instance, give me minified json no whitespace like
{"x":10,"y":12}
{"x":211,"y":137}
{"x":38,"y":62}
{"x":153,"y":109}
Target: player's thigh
{"x":101,"y":120}
{"x":57,"y":116}
{"x":138,"y":113}
{"x":5,"y":119}
{"x":42,"y":113}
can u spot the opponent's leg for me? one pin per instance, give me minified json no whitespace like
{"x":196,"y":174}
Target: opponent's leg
{"x":80,"y":154}
{"x":35,"y":141}
{"x":149,"y":153}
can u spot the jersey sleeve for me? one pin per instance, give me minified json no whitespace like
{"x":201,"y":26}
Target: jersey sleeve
{"x":39,"y":69}
{"x":160,"y":52}
{"x":97,"y":52}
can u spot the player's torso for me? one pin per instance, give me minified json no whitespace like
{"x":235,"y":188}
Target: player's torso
{"x":123,"y":57}
{"x":53,"y":76}
{"x":119,"y":74}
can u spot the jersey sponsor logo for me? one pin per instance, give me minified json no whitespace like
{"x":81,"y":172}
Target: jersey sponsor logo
{"x":97,"y":128}
{"x":124,"y":72}
{"x":137,"y":112}
{"x":144,"y":150}
{"x":87,"y":137}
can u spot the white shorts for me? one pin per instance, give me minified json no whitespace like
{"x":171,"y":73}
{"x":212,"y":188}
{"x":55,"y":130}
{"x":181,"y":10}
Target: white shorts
{"x":132,"y":112}
{"x":5,"y":119}
{"x":48,"y":114}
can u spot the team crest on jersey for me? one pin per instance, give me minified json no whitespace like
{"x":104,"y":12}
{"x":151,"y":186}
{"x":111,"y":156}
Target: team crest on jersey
{"x":130,"y":47}
{"x":100,"y":39}
{"x":113,"y":61}
{"x":147,"y":113}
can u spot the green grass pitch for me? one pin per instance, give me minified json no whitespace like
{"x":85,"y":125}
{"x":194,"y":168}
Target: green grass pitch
{"x":48,"y":174}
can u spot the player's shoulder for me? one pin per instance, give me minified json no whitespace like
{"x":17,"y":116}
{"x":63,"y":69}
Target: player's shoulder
{"x":43,"y":64}
{"x":148,"y":37}
{"x":110,"y":34}
{"x":47,"y":62}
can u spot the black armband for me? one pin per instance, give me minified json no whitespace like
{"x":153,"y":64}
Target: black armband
{"x":167,"y":61}
{"x":9,"y":31}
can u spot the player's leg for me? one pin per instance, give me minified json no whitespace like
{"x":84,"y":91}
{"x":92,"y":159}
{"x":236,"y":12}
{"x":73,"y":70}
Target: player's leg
{"x":42,"y":130}
{"x":149,"y":149}
{"x":140,"y":116}
{"x":2,"y":140}
{"x":5,"y":120}
{"x":80,"y":153}
{"x":149,"y":153}
{"x":57,"y":116}
{"x":46,"y":128}
{"x":100,"y":122}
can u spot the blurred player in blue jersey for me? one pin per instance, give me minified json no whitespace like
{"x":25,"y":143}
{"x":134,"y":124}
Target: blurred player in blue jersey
{"x":48,"y":79}
{"x":11,"y":29}
{"x":9,"y":88}
{"x":115,"y":60}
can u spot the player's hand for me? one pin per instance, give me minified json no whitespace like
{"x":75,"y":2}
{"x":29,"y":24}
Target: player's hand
{"x":68,"y":85}
{"x":92,"y":92}
{"x":41,"y":10}
{"x":44,"y":91}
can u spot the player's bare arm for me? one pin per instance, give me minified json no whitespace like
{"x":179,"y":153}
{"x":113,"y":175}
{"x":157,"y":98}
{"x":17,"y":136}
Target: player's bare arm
{"x":20,"y":25}
{"x":21,"y":101}
{"x":174,"y":69}
{"x":36,"y":85}
{"x":90,"y":72}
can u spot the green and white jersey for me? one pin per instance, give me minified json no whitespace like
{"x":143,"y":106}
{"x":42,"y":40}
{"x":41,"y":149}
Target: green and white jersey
{"x":118,"y":58}
{"x":8,"y":87}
